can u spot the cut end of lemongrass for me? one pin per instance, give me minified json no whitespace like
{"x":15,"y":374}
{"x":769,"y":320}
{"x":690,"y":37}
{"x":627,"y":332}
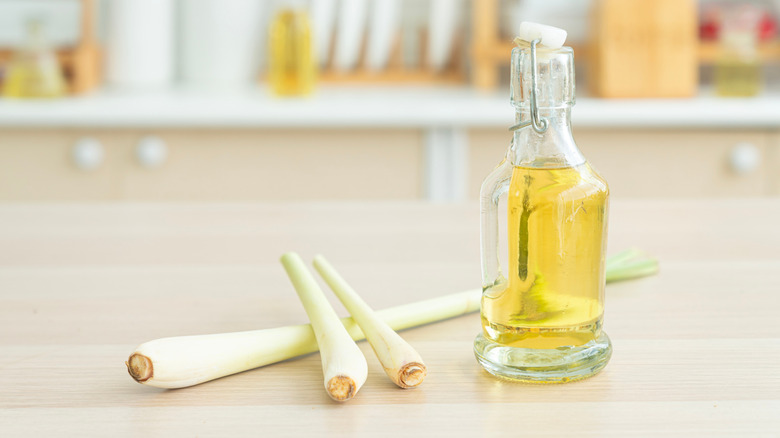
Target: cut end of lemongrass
{"x":411,"y":375}
{"x":140,"y":367}
{"x":343,"y":364}
{"x":402,"y":364}
{"x":341,"y":388}
{"x":185,"y":361}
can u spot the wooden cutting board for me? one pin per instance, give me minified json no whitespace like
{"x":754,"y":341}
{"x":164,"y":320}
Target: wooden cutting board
{"x":644,"y":48}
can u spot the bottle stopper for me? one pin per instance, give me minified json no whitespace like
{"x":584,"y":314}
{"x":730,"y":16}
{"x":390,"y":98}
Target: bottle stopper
{"x":548,"y":36}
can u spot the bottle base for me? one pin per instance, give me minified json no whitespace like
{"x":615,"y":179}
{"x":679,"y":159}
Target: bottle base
{"x":557,"y":365}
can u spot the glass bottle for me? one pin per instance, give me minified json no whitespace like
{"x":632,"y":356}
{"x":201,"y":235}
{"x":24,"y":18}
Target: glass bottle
{"x":34,"y":71}
{"x":542,"y":314}
{"x":292,"y":66}
{"x":738,"y":68}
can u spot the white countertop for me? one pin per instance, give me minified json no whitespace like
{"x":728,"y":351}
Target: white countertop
{"x":395,"y":107}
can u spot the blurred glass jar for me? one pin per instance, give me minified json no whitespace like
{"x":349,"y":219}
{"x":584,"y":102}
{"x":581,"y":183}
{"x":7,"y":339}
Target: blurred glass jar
{"x":738,"y":71}
{"x":292,"y":69}
{"x":34,"y":71}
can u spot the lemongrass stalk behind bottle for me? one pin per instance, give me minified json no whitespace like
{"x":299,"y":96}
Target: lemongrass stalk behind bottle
{"x":630,"y":264}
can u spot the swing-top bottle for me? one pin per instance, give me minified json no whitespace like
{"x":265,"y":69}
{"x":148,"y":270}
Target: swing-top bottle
{"x":544,"y":211}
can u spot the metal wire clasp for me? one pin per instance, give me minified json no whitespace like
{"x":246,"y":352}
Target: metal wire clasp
{"x":537,"y":122}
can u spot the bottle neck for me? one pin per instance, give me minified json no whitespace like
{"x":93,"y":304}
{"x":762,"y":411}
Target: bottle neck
{"x":554,"y":148}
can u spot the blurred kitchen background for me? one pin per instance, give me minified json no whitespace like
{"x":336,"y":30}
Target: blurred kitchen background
{"x":242,"y":100}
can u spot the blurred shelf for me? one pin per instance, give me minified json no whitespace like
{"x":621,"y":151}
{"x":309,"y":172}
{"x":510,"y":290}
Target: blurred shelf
{"x":709,"y":52}
{"x":366,"y":107}
{"x":397,"y":76}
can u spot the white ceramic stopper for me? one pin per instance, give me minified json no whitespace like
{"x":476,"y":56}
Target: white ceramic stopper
{"x":551,"y":37}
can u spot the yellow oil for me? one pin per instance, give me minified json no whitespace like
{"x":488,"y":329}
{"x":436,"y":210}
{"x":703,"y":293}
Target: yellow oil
{"x":292,"y":68}
{"x":735,"y":77}
{"x":33,"y":71}
{"x":28,"y":79}
{"x":553,"y":295}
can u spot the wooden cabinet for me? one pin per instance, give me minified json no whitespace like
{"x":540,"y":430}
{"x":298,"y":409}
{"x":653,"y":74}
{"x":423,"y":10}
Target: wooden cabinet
{"x":215,"y":165}
{"x":37,"y":165}
{"x":282,"y":164}
{"x":660,"y":163}
{"x":312,"y":164}
{"x":773,"y":160}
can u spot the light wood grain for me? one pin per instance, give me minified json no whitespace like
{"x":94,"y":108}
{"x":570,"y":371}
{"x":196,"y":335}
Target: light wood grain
{"x":696,"y":347}
{"x":38,"y":164}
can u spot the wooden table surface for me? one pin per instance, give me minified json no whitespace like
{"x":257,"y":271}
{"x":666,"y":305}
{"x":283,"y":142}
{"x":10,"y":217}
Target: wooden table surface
{"x":696,"y":348}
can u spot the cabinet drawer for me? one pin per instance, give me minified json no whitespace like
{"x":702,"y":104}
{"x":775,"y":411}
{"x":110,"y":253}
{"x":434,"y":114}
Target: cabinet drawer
{"x":648,"y":163}
{"x":214,"y":165}
{"x":233,"y":164}
{"x":38,"y":165}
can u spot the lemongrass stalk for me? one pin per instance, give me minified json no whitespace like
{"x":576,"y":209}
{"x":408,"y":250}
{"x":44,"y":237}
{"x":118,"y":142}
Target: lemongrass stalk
{"x":343,"y":364}
{"x":624,"y":256}
{"x":400,"y":361}
{"x":182,"y":361}
{"x":629,"y":264}
{"x":632,"y":270}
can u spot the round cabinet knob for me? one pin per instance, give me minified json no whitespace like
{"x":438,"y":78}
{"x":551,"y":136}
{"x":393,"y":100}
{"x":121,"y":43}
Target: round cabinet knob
{"x":151,"y":152}
{"x":744,"y":158}
{"x":88,"y":154}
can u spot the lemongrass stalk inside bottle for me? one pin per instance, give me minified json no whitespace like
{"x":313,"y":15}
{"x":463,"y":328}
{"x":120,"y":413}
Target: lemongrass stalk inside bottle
{"x":400,"y":361}
{"x":343,"y":364}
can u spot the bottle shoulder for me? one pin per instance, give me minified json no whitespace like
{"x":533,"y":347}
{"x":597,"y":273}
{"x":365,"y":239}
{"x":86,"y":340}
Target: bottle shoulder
{"x":558,"y":184}
{"x":596,"y":179}
{"x":500,"y":175}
